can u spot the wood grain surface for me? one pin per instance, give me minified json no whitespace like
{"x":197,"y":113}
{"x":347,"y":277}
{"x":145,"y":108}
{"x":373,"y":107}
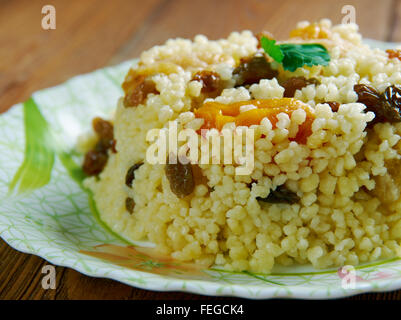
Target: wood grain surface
{"x":95,"y":33}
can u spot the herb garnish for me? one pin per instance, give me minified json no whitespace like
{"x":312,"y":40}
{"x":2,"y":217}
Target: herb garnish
{"x":293,"y":56}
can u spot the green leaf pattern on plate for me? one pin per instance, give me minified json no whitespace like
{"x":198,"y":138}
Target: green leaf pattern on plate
{"x":36,"y":169}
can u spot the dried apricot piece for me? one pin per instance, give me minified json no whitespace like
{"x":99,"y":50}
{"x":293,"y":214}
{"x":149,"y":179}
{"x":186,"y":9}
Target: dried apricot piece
{"x":216,"y":114}
{"x":394,"y":53}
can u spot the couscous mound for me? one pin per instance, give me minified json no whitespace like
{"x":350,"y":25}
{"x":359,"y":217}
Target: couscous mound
{"x":326,"y":180}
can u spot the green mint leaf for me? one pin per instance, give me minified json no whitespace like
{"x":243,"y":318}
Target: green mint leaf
{"x":298,"y":55}
{"x":294,"y":56}
{"x":272,"y":49}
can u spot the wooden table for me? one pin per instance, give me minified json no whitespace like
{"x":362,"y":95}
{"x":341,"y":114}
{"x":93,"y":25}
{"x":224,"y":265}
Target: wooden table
{"x":94,"y":33}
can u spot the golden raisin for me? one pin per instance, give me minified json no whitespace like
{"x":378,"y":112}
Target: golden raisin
{"x":96,"y":159}
{"x":94,"y":162}
{"x":136,"y":88}
{"x":296,"y":83}
{"x":104,"y":131}
{"x":211,"y":82}
{"x":103,"y":128}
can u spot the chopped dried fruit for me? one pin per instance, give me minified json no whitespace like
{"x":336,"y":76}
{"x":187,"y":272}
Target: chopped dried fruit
{"x":367,"y":95}
{"x":386,"y":106}
{"x":137,"y":87}
{"x":216,"y":114}
{"x":130,"y":176}
{"x":211,"y":82}
{"x":252,"y":70}
{"x":296,"y":83}
{"x":199,"y":178}
{"x":104,"y":131}
{"x":393,"y":95}
{"x":96,"y":159}
{"x":181,"y":178}
{"x":129,"y":205}
{"x":103,"y":128}
{"x":94,"y":162}
{"x":394,"y":53}
{"x":280,"y":195}
{"x":333,"y":105}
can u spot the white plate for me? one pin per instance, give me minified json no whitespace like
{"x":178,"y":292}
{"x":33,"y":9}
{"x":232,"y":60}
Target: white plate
{"x":45,"y":211}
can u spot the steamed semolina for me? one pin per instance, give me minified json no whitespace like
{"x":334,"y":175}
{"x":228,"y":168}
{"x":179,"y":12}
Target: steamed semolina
{"x":344,"y":173}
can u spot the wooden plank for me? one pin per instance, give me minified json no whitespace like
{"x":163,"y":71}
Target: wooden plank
{"x":88,"y":33}
{"x":21,"y":277}
{"x":19,"y":273}
{"x":216,"y":19}
{"x":395,"y":22}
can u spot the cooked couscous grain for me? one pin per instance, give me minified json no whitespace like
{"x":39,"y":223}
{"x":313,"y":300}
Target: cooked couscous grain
{"x":341,"y":171}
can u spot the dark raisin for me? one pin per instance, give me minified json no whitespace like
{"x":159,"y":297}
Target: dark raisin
{"x":96,"y":159}
{"x":252,"y":70}
{"x":393,"y":95}
{"x":392,"y":103}
{"x":280,"y":195}
{"x":129,"y":205}
{"x":211,"y":82}
{"x":94,"y":162}
{"x":130,"y":176}
{"x":367,"y":95}
{"x":296,"y":83}
{"x":136,"y":88}
{"x":104,"y":145}
{"x":199,"y":178}
{"x":333,"y":105}
{"x":386,"y":106}
{"x":181,"y":178}
{"x":371,"y":99}
{"x":394,"y":53}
